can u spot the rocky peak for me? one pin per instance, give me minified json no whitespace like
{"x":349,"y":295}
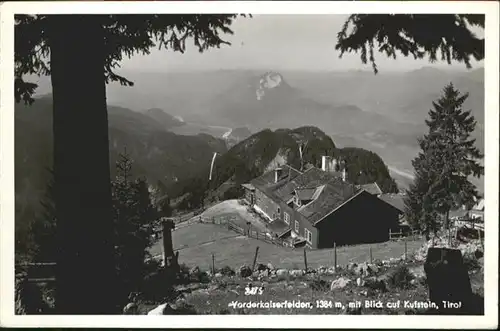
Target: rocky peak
{"x":268,"y":81}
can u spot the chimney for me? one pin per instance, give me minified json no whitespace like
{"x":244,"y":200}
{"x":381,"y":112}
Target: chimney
{"x":277,"y":174}
{"x":325,"y":163}
{"x":334,"y":164}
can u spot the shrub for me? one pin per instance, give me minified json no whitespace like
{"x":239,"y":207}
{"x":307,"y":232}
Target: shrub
{"x":318,"y":284}
{"x":400,"y":278}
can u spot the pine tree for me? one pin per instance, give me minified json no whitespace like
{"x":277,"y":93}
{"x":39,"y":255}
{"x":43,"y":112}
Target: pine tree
{"x":417,"y":35}
{"x":43,"y":227}
{"x":135,"y":217}
{"x":447,"y":159}
{"x":81,"y":53}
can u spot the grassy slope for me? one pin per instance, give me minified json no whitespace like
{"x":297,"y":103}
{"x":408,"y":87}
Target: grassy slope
{"x":197,"y":242}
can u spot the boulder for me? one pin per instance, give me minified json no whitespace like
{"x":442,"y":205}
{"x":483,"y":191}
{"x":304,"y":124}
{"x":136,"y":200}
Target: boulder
{"x":159,"y":310}
{"x":396,"y":277}
{"x":227,"y":271}
{"x":417,"y":272}
{"x":339,"y":283}
{"x":261,"y":267}
{"x":130,"y":309}
{"x":270,"y":266}
{"x":375,"y":283}
{"x":245,"y":271}
{"x":218,"y":275}
{"x":194,"y":271}
{"x":296,"y":273}
{"x":365,"y":269}
{"x":264,"y":274}
{"x":282,"y":272}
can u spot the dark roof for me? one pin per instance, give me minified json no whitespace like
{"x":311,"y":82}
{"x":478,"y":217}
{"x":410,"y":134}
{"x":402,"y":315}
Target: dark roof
{"x":266,"y":184}
{"x":306,"y":193}
{"x":326,"y":189}
{"x":372,"y":188}
{"x":332,"y":196}
{"x":394,"y":200}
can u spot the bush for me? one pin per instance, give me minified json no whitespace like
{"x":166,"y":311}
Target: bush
{"x":157,"y":286}
{"x":234,"y":192}
{"x":227,"y":271}
{"x":320,"y":285}
{"x":30,"y":299}
{"x":400,"y":278}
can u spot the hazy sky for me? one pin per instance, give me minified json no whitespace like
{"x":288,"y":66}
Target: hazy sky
{"x":274,"y":42}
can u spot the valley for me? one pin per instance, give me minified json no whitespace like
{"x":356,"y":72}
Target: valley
{"x":172,"y":133}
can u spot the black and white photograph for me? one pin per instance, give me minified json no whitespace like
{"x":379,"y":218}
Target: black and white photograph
{"x":323,"y":159}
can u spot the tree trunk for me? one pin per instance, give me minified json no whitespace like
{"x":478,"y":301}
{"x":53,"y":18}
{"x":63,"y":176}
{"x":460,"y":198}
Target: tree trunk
{"x":85,"y":266}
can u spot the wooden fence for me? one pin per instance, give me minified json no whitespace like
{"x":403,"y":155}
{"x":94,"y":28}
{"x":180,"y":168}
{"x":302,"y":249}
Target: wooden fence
{"x":402,"y":234}
{"x":251,"y":233}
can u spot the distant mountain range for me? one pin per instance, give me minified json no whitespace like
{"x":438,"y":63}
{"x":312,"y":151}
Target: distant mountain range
{"x":384,"y":113}
{"x":164,"y":119}
{"x":158,"y":155}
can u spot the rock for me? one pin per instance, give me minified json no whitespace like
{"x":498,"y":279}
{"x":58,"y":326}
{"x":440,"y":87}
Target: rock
{"x":417,"y":272}
{"x":264,"y":273}
{"x":130,"y":309}
{"x":365,"y":269}
{"x":339,"y":283}
{"x":270,"y":266}
{"x":218,"y":275}
{"x":281,"y":272}
{"x":331,"y":271}
{"x":227,"y":271}
{"x":375,"y":283}
{"x":245,"y":271}
{"x":180,"y":307}
{"x":360,"y":282}
{"x":296,"y":273}
{"x":159,"y":310}
{"x":213,"y":287}
{"x":351,"y":266}
{"x":261,"y":267}
{"x":194,"y":271}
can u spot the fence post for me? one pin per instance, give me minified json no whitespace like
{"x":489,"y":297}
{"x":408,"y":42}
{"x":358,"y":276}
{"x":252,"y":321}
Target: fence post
{"x":213,"y":264}
{"x":390,"y":234}
{"x":305,"y":259}
{"x":406,"y":251}
{"x":335,"y":256}
{"x":371,"y":256}
{"x":255,"y":258}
